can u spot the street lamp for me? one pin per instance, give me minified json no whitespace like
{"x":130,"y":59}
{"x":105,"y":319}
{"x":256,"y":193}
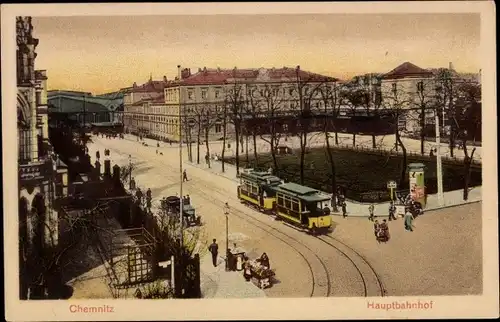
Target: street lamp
{"x":226,"y":213}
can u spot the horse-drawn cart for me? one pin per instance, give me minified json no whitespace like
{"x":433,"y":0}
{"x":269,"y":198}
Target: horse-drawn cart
{"x":173,"y":204}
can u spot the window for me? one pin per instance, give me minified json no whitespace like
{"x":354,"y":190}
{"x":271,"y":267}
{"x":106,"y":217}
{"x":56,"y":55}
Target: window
{"x":295,"y":205}
{"x":394,"y":87}
{"x":280,"y":200}
{"x":218,"y":128}
{"x":204,"y":93}
{"x":217,"y":92}
{"x":420,"y":86}
{"x":190,"y":95}
{"x":288,"y":203}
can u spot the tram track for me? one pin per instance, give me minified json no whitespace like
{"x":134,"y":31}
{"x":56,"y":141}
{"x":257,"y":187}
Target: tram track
{"x":320,"y":274}
{"x":372,"y":283}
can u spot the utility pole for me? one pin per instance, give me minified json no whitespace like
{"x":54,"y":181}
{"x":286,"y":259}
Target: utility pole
{"x":439,"y":165}
{"x":181,"y":171}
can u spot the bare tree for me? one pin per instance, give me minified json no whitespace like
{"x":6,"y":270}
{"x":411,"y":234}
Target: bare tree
{"x":425,"y":96}
{"x":466,"y":118}
{"x":224,"y":117}
{"x":252,"y":110}
{"x":397,"y":108}
{"x":208,"y":121}
{"x":308,"y":93}
{"x":364,"y":94}
{"x":236,"y":100}
{"x":331,"y":102}
{"x":271,"y":100}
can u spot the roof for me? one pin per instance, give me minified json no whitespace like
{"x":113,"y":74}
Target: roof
{"x":224,"y":76}
{"x":407,"y":69}
{"x":150,"y":86}
{"x":110,"y":104}
{"x":70,"y":104}
{"x":260,"y":177}
{"x":301,"y":192}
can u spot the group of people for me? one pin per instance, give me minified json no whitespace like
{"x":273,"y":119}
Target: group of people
{"x":247,"y":272}
{"x":381,"y":231}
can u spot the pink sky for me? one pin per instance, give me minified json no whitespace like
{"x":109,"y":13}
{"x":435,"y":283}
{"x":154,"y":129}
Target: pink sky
{"x":102,"y":54}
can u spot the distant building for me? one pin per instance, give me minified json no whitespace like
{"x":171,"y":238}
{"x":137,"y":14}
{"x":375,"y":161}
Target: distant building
{"x":145,"y":110}
{"x":88,"y":110}
{"x":42,"y":177}
{"x":407,"y":86}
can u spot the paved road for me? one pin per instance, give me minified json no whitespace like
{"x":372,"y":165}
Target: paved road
{"x":442,"y":255}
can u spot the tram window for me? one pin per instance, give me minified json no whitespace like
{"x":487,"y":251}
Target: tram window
{"x":303,"y":206}
{"x":280,"y":201}
{"x":295,"y":206}
{"x":288,"y":203}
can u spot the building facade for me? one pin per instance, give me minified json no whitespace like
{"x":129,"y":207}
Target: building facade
{"x":144,"y":110}
{"x":42,"y":177}
{"x":205,"y":97}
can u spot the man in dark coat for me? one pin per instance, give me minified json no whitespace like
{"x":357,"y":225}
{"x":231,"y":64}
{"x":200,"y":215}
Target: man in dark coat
{"x":344,"y":209}
{"x":214,"y":249}
{"x":392,"y":211}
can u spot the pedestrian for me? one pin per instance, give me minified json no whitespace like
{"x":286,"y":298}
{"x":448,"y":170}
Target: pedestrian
{"x":392,"y":211}
{"x":371,"y":210}
{"x":408,"y":221}
{"x":214,"y":249}
{"x":376,"y":227}
{"x":184,"y":176}
{"x":344,"y":209}
{"x":156,"y":151}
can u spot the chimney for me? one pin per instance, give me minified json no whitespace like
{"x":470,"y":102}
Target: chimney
{"x":298,"y":67}
{"x":135,"y":84}
{"x":164,"y":79}
{"x":179,"y":72}
{"x":450,"y":67}
{"x":218,"y":69}
{"x":199,"y":70}
{"x":204,"y":70}
{"x":186,"y":72}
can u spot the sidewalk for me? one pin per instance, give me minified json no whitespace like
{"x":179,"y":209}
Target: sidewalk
{"x":217,"y":283}
{"x":357,"y":209}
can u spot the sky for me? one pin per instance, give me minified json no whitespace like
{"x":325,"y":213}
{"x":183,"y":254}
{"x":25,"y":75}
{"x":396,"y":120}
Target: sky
{"x":101,"y":54}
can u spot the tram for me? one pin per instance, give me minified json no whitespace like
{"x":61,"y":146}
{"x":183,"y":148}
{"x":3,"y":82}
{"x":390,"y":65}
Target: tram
{"x":303,"y":207}
{"x":256,"y":189}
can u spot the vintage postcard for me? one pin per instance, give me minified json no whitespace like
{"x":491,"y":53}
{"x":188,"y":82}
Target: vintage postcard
{"x":236,"y":161}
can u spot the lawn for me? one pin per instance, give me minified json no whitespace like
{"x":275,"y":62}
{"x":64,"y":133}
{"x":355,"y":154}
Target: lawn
{"x":363,"y":176}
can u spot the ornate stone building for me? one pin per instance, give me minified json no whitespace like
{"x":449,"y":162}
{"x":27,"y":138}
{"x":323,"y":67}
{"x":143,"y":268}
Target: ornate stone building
{"x":42,"y":178}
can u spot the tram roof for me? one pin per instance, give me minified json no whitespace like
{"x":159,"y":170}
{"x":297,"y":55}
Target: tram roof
{"x":301,"y":192}
{"x":261,"y":177}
